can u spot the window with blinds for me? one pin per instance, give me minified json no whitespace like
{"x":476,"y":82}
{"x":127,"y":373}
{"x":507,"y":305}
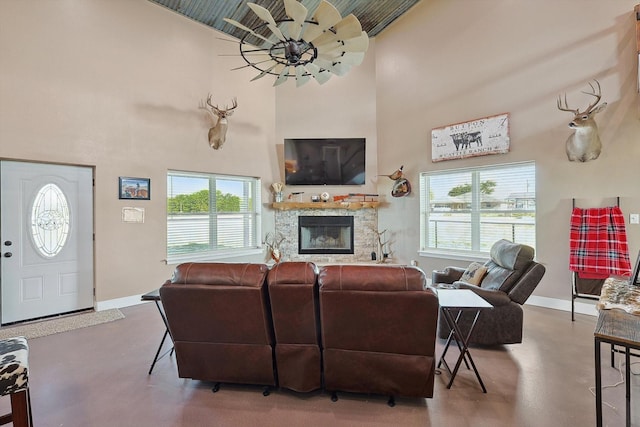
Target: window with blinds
{"x":211,"y":216}
{"x":465,"y":211}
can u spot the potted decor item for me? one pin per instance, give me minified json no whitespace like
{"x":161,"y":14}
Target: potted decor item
{"x":277,"y":188}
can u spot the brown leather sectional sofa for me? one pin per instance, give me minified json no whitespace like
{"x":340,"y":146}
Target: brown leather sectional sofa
{"x":351,"y":328}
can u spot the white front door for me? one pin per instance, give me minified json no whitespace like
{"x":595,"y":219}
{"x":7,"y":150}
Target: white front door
{"x":46,"y":238}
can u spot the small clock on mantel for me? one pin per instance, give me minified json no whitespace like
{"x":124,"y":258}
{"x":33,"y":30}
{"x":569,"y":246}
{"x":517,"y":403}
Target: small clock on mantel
{"x":325,"y":197}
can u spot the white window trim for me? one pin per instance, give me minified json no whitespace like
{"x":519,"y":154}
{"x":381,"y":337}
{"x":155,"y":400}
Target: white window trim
{"x":453,"y":254}
{"x":210,"y":255}
{"x":213,"y":256}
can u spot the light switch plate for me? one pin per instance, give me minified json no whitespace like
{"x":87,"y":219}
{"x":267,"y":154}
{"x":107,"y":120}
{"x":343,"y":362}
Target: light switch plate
{"x":634,"y":218}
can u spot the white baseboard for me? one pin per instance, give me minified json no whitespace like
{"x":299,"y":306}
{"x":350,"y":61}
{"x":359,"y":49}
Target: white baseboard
{"x":119,"y":302}
{"x":554,"y":303}
{"x":564,"y":305}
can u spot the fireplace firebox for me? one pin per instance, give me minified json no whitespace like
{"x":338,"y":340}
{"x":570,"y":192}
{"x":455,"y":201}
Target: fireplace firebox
{"x":325,"y":234}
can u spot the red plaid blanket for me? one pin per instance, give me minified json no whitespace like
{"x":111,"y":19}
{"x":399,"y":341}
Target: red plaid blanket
{"x":598,"y":243}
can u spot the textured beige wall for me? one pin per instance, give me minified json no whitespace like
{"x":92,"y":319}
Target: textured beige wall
{"x":115,"y":84}
{"x":450,"y":61}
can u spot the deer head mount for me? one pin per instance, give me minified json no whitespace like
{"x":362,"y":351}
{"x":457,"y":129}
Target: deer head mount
{"x":273,"y":242}
{"x":218,"y":133}
{"x":584,"y":143}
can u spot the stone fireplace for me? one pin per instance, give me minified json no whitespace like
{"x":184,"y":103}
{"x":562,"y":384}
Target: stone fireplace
{"x":325,"y":234}
{"x":365,"y":224}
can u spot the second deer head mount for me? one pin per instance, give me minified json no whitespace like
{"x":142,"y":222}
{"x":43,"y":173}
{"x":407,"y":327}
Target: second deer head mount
{"x":584,"y":143}
{"x":218,"y":133}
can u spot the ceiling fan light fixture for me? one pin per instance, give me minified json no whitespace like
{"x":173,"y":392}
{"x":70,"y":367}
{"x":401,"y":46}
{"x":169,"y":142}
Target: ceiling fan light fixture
{"x":317,"y":47}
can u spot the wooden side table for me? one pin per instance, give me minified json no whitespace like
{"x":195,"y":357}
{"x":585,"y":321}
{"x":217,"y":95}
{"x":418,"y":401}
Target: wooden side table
{"x":619,"y":328}
{"x":155,"y":297}
{"x":453,"y":302}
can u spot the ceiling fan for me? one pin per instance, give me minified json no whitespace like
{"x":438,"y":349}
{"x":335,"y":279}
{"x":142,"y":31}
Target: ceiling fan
{"x":302,"y":48}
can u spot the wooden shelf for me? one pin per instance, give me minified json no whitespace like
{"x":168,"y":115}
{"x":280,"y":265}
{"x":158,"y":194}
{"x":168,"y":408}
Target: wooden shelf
{"x":284,"y":206}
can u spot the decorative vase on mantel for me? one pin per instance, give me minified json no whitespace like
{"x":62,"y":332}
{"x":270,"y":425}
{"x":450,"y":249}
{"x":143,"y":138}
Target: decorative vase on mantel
{"x":277,"y":188}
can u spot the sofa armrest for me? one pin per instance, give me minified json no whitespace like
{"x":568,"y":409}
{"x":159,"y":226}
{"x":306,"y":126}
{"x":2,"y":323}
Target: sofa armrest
{"x":525,"y":286}
{"x":494,"y":297}
{"x":448,"y":275}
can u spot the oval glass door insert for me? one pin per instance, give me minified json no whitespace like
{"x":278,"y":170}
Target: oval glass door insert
{"x":50,"y":220}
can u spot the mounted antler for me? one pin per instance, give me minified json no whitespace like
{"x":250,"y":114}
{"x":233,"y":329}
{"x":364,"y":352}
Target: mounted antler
{"x":273,"y":242}
{"x":218,"y":133}
{"x":584,"y":144}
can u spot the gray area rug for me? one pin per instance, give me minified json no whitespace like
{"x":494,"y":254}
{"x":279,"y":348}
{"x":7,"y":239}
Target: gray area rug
{"x":60,"y":324}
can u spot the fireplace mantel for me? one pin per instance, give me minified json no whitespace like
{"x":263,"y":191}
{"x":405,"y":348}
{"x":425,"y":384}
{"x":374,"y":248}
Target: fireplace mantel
{"x":285,"y":206}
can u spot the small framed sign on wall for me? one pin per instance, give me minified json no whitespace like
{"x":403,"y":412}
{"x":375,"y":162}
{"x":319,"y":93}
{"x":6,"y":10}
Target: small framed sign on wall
{"x":134,"y":188}
{"x":480,"y":137}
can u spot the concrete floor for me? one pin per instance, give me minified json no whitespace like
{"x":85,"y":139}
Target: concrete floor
{"x":97,"y":376}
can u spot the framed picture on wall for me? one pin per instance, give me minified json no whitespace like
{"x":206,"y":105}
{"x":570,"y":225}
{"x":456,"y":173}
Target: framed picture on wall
{"x":480,"y":137}
{"x":134,"y":188}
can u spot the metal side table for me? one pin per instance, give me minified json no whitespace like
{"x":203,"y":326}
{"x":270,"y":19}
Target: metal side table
{"x":453,"y":303}
{"x":155,"y":297}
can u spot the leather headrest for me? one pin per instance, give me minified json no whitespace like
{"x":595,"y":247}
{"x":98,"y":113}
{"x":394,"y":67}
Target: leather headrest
{"x":371,"y":278}
{"x":292,"y":273}
{"x":221,"y":274}
{"x":512,"y":256}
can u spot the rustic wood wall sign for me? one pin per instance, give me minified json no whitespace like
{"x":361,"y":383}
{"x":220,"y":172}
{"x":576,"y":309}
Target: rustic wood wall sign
{"x":489,"y":135}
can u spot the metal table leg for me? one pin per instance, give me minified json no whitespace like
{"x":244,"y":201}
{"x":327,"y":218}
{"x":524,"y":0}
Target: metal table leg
{"x":463,"y":344}
{"x":598,"y":383}
{"x":155,"y":297}
{"x":164,"y":337}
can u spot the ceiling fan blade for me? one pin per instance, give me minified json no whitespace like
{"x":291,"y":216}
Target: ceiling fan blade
{"x":298,"y":13}
{"x":252,"y":64}
{"x":334,"y":65}
{"x":321,"y":75}
{"x":337,"y":48}
{"x":340,"y":68}
{"x":323,"y":62}
{"x":326,"y":16}
{"x":247,"y":29}
{"x":357,"y":44}
{"x":348,"y":28}
{"x":352,"y":58}
{"x":263,"y":14}
{"x":276,"y":31}
{"x":302,"y":76}
{"x":282,"y":77}
{"x":331,"y":49}
{"x":264,"y":72}
{"x":326,"y":38}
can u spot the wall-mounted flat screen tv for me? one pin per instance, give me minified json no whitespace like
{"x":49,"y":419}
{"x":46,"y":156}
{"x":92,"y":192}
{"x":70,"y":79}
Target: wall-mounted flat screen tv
{"x":324,"y":161}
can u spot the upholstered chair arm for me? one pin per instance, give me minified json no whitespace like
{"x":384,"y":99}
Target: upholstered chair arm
{"x":448,"y":275}
{"x":525,"y":286}
{"x":493,"y":296}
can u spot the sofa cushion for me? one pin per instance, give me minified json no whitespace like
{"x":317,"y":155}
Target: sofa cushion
{"x":474,"y":273}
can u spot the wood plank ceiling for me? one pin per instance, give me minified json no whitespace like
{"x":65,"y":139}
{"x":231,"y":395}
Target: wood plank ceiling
{"x":374,"y":15}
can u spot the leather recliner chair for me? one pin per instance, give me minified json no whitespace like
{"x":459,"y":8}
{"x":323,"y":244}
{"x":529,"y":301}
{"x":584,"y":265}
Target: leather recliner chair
{"x":219,"y":318}
{"x":378,"y":330}
{"x":293,"y":292}
{"x":511,"y":277}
